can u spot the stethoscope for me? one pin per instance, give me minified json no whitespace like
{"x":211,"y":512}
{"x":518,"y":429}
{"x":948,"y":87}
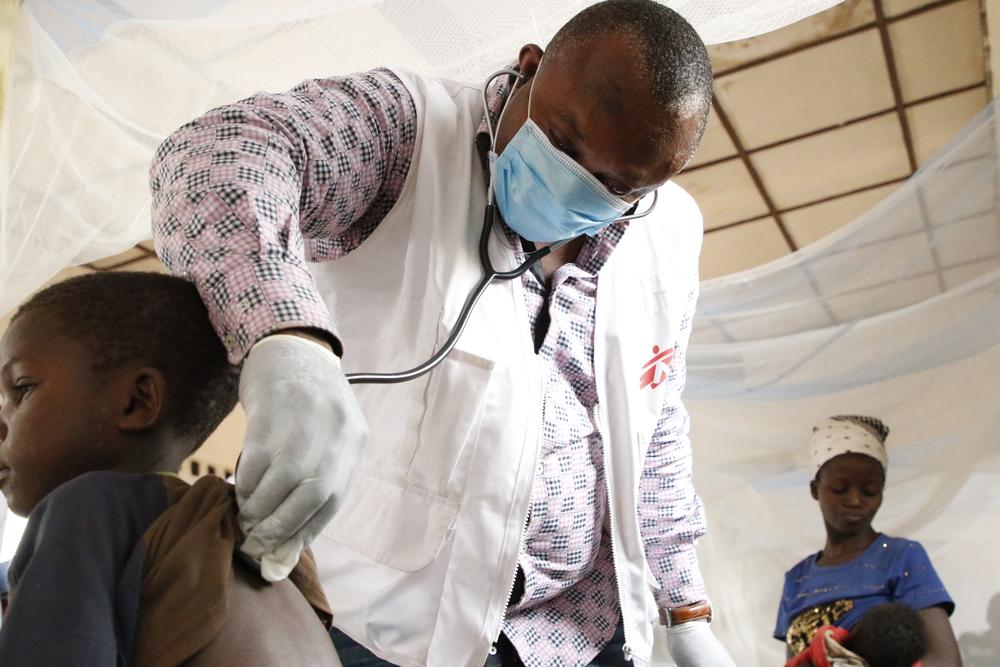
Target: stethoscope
{"x":490,"y":272}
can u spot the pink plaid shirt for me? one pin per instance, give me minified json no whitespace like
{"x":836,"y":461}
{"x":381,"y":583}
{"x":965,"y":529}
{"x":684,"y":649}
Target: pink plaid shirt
{"x":245,"y":194}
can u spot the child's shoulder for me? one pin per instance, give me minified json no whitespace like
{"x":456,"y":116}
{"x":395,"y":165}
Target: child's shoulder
{"x":102,"y":491}
{"x":102,"y":482}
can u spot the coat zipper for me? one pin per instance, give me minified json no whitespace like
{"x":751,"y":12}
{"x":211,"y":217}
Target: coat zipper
{"x":524,"y":534}
{"x":517,"y":564}
{"x":626,"y":649}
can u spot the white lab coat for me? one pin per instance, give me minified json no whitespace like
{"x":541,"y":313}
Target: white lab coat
{"x":419,"y":563}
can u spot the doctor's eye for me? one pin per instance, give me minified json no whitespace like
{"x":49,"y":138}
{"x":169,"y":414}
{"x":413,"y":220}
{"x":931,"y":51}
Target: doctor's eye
{"x":563,"y":147}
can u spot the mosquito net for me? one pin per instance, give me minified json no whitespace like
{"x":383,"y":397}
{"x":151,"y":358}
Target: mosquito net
{"x":96,"y":86}
{"x":898,"y":316}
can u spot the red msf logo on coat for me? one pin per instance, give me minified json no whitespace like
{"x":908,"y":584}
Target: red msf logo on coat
{"x":655,"y":371}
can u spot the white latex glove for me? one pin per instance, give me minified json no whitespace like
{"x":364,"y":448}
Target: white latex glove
{"x":693,"y":644}
{"x":305,"y":432}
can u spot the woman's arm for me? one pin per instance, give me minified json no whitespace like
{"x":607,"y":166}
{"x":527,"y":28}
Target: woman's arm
{"x":942,"y":648}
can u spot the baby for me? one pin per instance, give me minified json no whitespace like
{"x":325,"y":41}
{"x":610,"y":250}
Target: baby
{"x":889,"y":635}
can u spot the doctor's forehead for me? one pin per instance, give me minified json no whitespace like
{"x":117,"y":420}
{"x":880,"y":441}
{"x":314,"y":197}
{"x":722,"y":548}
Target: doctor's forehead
{"x":610,"y":75}
{"x":603,"y":95}
{"x":607,"y":66}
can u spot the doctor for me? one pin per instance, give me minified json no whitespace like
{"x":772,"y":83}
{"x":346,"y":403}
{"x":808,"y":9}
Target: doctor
{"x":529,"y":501}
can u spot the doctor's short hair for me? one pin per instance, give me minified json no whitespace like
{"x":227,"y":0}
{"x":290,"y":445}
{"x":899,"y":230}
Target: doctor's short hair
{"x":674,"y":57}
{"x":154,"y":319}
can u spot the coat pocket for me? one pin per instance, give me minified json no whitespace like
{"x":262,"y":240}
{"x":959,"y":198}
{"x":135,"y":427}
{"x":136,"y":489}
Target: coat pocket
{"x":403,"y":522}
{"x":449,"y":429}
{"x":401,"y":527}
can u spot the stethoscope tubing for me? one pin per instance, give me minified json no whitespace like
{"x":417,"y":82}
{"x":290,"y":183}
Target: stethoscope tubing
{"x":490,"y":274}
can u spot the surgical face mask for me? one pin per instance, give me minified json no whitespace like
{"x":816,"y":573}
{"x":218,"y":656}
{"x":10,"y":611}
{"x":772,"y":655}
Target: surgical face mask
{"x":545,"y":195}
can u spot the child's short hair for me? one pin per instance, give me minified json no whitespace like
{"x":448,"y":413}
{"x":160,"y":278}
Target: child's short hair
{"x":155,"y":319}
{"x":889,"y":635}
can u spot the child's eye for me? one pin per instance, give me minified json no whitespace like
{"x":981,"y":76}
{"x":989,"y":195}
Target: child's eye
{"x":21,"y":389}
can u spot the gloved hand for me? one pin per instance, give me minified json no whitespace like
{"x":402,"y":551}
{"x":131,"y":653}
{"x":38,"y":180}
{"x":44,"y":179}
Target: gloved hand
{"x":693,"y":644}
{"x":304,"y":435}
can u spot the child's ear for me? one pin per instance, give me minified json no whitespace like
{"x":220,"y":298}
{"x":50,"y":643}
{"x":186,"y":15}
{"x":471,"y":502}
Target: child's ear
{"x":812,"y":490}
{"x":143,"y":404}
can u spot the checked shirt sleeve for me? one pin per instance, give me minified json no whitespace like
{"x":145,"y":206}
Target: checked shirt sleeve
{"x":247,"y":193}
{"x":671,"y":516}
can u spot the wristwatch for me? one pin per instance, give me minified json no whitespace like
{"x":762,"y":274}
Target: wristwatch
{"x":696,"y":611}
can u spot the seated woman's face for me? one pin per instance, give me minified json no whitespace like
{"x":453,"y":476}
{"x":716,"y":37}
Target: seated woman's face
{"x":849,"y":490}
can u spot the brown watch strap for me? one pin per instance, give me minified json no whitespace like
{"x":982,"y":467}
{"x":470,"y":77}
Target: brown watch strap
{"x":697,"y":611}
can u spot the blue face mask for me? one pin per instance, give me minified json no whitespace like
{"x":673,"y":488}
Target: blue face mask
{"x":545,"y":195}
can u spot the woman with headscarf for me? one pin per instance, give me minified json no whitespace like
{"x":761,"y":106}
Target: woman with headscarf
{"x":859,"y":568}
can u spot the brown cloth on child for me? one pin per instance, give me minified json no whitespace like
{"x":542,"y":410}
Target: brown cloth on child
{"x":189,"y":568}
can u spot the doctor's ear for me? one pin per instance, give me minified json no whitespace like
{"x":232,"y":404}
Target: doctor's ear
{"x":812,"y":490}
{"x":527,"y":61}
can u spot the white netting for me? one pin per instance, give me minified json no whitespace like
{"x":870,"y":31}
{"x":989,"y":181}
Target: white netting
{"x":897,"y":316}
{"x":97,"y":85}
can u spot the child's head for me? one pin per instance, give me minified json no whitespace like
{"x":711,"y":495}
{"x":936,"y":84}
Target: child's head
{"x":848,"y":464}
{"x":889,"y":635}
{"x":108,"y":371}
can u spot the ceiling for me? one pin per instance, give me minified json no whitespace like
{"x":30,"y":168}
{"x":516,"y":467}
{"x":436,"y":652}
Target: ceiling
{"x":815,"y":123}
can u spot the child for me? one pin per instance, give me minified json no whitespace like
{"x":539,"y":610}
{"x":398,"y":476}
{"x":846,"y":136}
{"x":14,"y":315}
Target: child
{"x":107,"y":383}
{"x":859,"y":568}
{"x":889,"y":635}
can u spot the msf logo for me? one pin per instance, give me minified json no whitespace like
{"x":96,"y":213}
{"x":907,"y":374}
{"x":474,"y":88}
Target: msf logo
{"x":655,"y":371}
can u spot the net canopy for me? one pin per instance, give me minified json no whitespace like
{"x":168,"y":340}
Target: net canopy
{"x":897,"y":316}
{"x":97,"y":85}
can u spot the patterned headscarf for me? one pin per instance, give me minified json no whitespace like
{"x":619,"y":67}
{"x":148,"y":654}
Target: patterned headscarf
{"x":848,"y":434}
